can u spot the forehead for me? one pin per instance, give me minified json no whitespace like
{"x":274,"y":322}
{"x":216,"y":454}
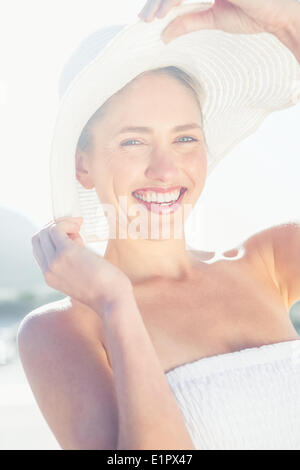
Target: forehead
{"x":160,"y":86}
{"x":153,"y":96}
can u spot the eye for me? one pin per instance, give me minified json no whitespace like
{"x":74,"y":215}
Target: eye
{"x":127,"y":142}
{"x":187,"y":141}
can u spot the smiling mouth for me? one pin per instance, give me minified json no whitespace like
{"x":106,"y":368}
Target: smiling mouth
{"x":161,"y":206}
{"x":158,"y":198}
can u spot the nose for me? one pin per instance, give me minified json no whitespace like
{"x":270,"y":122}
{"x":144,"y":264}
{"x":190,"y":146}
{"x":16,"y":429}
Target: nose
{"x":162,"y":166}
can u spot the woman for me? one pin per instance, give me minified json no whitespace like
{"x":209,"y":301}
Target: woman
{"x":150,"y":310}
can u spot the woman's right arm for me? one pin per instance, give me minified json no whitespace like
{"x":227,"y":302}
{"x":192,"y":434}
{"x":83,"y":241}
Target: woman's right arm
{"x":149,"y":416}
{"x":85,"y":403}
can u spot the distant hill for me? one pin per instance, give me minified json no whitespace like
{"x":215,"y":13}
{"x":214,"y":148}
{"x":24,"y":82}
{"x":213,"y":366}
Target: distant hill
{"x":18,"y":267}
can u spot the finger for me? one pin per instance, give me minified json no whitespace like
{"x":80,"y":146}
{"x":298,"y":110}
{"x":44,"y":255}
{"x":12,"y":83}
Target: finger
{"x":149,"y":10}
{"x":71,"y":226}
{"x":142,"y":14}
{"x":143,"y":10}
{"x":59,"y":234}
{"x":76,"y":238}
{"x":187,"y":23}
{"x":166,"y":6}
{"x":47,"y":246}
{"x":38,"y":253}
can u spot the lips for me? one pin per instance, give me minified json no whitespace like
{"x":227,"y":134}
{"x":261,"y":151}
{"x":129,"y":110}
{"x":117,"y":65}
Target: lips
{"x":162,"y":208}
{"x":159,"y":190}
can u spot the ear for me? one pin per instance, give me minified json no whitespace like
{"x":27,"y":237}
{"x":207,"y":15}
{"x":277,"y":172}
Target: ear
{"x":83,"y":170}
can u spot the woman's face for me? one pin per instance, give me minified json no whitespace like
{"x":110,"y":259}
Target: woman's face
{"x":137,"y":162}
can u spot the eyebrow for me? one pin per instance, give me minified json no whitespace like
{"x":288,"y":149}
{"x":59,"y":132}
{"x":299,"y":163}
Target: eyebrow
{"x":148,"y":130}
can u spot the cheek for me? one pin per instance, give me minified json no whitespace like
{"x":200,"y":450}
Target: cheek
{"x":102,"y":172}
{"x":197,"y":171}
{"x":196,"y":163}
{"x":115,"y":175}
{"x":203,"y":164}
{"x":126,"y":169}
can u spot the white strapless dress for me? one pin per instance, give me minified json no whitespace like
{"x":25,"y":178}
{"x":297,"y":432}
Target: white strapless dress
{"x":247,"y":399}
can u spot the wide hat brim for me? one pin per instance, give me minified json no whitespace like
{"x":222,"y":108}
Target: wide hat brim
{"x":244,"y":78}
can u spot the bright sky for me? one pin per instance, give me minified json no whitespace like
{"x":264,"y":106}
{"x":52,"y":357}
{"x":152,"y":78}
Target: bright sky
{"x":256,"y":186}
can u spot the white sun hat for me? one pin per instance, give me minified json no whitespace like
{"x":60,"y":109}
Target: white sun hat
{"x":244,"y":78}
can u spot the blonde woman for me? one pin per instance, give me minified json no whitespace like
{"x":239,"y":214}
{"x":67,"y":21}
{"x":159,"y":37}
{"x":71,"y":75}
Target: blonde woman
{"x":157,"y":346}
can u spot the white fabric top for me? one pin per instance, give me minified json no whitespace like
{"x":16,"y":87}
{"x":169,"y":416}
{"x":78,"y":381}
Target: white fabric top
{"x":243,"y":400}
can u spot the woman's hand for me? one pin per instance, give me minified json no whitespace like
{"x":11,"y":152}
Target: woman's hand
{"x":73,"y":269}
{"x":233,"y":16}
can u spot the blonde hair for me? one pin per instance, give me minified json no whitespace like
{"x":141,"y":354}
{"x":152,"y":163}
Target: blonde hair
{"x":85,"y":140}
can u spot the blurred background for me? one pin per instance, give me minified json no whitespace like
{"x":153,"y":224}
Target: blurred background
{"x":255,"y":187}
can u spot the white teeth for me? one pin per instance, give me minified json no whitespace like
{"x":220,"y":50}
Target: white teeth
{"x":175,"y":195}
{"x":154,"y":197}
{"x":161,"y":198}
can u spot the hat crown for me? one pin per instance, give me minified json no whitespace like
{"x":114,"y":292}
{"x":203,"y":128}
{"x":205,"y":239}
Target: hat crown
{"x":88,"y":49}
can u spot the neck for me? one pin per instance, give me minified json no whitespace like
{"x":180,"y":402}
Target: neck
{"x":144,"y":260}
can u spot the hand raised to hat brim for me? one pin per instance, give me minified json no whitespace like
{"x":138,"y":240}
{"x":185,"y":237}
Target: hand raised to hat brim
{"x":233,"y":16}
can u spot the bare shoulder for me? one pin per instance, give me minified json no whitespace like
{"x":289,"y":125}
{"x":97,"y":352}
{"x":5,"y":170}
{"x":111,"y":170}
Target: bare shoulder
{"x":259,"y":253}
{"x":254,"y":256}
{"x":59,"y":326}
{"x":280,"y":247}
{"x":59,"y":331}
{"x":40,"y":320}
{"x":68,"y":371}
{"x":48,"y":312}
{"x":66,"y":316}
{"x":259,"y":260}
